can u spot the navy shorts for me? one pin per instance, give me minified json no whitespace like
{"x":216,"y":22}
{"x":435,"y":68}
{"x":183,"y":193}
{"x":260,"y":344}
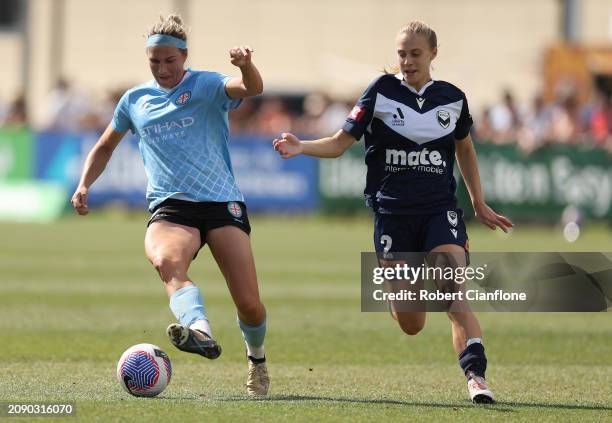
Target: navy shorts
{"x":419,"y":233}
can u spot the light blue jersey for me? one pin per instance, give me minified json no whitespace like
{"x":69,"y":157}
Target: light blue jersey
{"x":184,"y":136}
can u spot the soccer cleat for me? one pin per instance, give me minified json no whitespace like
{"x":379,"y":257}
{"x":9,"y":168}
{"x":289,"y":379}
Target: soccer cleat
{"x":258,"y":380}
{"x":479,"y":391}
{"x":193,"y":341}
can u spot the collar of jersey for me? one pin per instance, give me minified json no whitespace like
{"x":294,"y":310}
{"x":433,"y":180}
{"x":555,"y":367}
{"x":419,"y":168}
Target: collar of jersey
{"x":169,"y":90}
{"x":411,"y":88}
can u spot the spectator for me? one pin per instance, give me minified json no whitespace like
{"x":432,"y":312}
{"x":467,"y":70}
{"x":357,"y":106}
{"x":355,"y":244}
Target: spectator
{"x":242,"y":118}
{"x":537,"y":126}
{"x":313,"y":107}
{"x":600,"y":121}
{"x":106,"y":109}
{"x":272,"y":117}
{"x":565,"y":121}
{"x":483,"y":128}
{"x":17,"y":115}
{"x":69,"y":110}
{"x":505,"y":120}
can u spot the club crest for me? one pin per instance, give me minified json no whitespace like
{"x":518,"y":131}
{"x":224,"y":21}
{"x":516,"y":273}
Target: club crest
{"x":452,"y":217}
{"x":234,"y":209}
{"x":443,"y":118}
{"x":183,"y":98}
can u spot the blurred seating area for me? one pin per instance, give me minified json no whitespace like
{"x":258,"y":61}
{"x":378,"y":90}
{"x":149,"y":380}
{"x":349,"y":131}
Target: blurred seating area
{"x":539,"y":123}
{"x":531,"y":125}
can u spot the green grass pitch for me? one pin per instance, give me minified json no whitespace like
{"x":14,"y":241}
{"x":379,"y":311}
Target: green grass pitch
{"x":74,"y":295}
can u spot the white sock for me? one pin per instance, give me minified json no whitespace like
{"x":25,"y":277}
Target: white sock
{"x":473,"y":341}
{"x":255,"y":352}
{"x":202,"y":325}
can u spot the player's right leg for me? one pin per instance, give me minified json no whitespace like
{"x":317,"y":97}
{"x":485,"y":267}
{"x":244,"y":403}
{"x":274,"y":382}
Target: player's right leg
{"x":393,"y":237}
{"x":170,"y":247}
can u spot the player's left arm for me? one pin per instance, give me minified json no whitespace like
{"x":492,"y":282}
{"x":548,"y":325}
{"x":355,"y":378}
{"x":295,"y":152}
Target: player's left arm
{"x":250,"y":83}
{"x":468,"y":165}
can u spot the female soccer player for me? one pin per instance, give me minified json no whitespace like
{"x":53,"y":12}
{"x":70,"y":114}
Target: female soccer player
{"x":181,"y":119}
{"x":414,"y":127}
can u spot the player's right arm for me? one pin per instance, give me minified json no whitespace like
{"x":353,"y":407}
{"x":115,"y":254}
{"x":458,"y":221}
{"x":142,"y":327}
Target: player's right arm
{"x":329,"y":147}
{"x":334,"y":146}
{"x":95,"y":164}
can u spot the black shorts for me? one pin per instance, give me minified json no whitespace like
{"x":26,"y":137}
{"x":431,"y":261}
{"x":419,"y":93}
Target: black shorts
{"x":419,"y":233}
{"x":204,"y":216}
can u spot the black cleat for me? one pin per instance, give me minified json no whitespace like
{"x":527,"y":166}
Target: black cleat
{"x":193,"y":341}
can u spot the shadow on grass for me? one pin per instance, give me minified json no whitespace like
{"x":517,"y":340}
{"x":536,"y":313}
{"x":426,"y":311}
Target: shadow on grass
{"x":499,"y":406}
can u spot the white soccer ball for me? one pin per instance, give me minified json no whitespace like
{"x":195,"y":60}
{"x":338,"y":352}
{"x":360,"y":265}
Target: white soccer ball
{"x":144,"y":370}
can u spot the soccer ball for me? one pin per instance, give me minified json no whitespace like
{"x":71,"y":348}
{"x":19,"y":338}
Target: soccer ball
{"x":144,"y":370}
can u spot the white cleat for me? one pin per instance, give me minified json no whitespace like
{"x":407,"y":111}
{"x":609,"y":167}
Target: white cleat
{"x":258,"y":381}
{"x":479,"y":390}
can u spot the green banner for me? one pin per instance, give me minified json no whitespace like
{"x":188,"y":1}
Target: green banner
{"x":540,"y":185}
{"x":16,"y":154}
{"x":342,"y":181}
{"x":536,"y":186}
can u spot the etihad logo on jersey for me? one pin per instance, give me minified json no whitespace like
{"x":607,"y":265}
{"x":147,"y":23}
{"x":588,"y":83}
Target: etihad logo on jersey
{"x":172,"y":125}
{"x":422,"y":161}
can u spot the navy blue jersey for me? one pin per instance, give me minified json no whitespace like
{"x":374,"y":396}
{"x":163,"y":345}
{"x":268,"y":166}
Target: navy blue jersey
{"x":410,"y":144}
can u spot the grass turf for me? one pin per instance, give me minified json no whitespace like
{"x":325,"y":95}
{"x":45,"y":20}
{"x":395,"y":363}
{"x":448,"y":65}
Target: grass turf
{"x":75,"y":294}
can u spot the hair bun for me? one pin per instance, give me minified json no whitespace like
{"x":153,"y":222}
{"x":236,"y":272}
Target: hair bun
{"x":175,"y":18}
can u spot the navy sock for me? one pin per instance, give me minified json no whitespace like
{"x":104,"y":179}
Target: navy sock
{"x":473,"y":360}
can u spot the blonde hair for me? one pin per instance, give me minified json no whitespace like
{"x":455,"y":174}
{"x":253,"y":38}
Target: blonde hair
{"x":420,"y":28}
{"x":171,"y":25}
{"x":416,"y":28}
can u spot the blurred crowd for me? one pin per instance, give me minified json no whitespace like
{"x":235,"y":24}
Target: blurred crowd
{"x":560,"y":121}
{"x":541,"y":123}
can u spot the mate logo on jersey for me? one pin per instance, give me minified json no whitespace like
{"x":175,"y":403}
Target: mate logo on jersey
{"x":183,"y":98}
{"x":443,"y":118}
{"x":357,"y":113}
{"x":423,"y":160}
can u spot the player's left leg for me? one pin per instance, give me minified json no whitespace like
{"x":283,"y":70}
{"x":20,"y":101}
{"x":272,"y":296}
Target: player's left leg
{"x":466,"y":332}
{"x":231,"y":248}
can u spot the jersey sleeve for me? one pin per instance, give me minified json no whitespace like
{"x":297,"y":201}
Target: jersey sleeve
{"x":360,"y":117}
{"x":121,"y":117}
{"x":464,"y":123}
{"x":217,"y":82}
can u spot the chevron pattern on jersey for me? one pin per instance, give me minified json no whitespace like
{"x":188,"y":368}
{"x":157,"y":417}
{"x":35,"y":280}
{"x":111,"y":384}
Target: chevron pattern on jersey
{"x":415,"y":126}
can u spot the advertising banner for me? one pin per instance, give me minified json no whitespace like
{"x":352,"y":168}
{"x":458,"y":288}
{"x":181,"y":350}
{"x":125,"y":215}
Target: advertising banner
{"x":15,"y":154}
{"x":267,"y":182}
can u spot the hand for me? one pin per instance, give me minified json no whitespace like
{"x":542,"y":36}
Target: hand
{"x":79,"y":200}
{"x":240,"y":56}
{"x":491,"y":219}
{"x":288,"y":146}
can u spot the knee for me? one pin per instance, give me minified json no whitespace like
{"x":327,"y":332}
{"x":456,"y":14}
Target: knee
{"x":166,"y":266}
{"x":410,"y":327}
